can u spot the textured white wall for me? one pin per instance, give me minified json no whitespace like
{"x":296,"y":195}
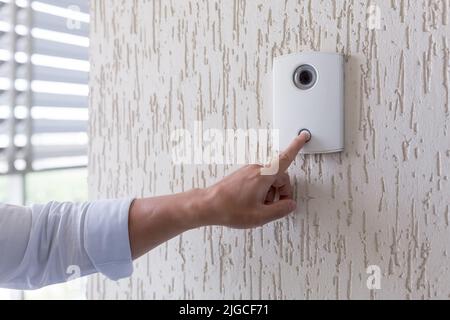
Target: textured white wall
{"x":161,"y":65}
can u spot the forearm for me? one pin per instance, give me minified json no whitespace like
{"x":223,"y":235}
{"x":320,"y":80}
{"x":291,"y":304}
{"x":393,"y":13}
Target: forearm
{"x":153,"y":221}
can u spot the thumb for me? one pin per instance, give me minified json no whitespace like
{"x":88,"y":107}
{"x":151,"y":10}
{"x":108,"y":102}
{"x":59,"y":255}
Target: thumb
{"x":277,"y":210}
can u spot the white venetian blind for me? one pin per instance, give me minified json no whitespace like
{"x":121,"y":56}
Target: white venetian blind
{"x":44,"y":71}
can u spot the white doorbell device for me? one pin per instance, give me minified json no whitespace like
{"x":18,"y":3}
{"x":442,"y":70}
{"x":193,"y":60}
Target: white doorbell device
{"x":308,"y":94}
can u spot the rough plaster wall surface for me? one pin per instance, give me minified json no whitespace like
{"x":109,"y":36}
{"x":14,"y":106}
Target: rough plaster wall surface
{"x":162,"y":65}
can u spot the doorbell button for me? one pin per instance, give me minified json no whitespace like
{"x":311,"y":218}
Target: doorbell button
{"x":308,"y":132}
{"x":308,"y":92}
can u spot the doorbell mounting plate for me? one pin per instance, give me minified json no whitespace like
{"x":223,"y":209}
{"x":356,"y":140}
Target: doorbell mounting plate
{"x":308,"y":94}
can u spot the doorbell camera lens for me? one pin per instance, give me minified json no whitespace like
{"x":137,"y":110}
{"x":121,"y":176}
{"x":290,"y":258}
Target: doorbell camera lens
{"x":305,"y":77}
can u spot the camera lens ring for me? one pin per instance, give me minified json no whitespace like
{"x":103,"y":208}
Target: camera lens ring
{"x":305,"y":77}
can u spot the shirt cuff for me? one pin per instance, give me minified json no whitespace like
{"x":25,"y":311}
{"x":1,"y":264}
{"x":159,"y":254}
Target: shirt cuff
{"x":107,"y":239}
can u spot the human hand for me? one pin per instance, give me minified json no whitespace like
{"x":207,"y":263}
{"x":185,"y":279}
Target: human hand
{"x":247,"y":198}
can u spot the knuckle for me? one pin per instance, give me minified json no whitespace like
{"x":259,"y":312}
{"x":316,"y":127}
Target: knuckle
{"x":255,"y":170}
{"x":255,"y":166}
{"x":285,"y":157}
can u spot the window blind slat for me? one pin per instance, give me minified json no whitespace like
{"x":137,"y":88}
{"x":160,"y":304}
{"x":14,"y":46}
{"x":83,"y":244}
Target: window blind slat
{"x":50,"y":48}
{"x":45,"y":152}
{"x":51,"y":100}
{"x":83,"y":5}
{"x":58,"y":75}
{"x":60,"y":24}
{"x":54,"y":126}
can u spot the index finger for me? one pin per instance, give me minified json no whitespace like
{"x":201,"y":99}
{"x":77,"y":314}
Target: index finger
{"x":288,"y":155}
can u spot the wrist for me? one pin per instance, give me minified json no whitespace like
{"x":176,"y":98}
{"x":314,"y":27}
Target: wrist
{"x":198,"y":208}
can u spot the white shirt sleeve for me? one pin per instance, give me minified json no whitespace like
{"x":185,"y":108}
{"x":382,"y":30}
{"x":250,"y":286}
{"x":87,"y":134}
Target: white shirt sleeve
{"x":56,"y":242}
